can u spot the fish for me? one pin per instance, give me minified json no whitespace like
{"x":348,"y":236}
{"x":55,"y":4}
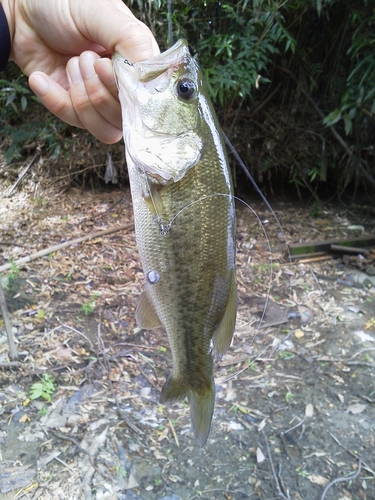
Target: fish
{"x":184,"y":215}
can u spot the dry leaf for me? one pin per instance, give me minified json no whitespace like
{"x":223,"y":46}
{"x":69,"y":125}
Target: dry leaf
{"x":231,"y":393}
{"x":314,"y":478}
{"x":309,"y":410}
{"x":298,"y":334}
{"x":262,"y":425}
{"x":24,"y":418}
{"x":260,"y":457}
{"x":356,"y":408}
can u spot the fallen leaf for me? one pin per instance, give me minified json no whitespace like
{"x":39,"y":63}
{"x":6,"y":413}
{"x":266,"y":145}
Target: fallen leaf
{"x":365,"y":337}
{"x":309,"y":410}
{"x":231,"y":393}
{"x":298,"y":334}
{"x":260,"y":457}
{"x":315,"y":478}
{"x":234,"y":426}
{"x":356,"y":408}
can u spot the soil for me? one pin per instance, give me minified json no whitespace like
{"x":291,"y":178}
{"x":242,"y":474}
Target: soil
{"x":295,"y":403}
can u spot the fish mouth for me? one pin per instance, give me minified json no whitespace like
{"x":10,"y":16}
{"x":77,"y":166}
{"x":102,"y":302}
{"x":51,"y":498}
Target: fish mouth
{"x":149,"y":69}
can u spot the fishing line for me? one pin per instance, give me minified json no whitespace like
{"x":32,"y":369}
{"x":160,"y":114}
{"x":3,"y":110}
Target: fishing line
{"x":164,"y":229}
{"x":250,"y":177}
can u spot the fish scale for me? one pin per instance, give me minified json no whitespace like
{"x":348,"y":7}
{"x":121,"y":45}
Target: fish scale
{"x":184,"y":220}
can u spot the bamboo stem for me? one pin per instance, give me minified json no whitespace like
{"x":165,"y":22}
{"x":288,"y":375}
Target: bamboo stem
{"x":55,"y":248}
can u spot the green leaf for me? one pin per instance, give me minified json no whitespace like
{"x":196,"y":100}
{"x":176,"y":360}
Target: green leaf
{"x":347,"y":123}
{"x":332,"y":118}
{"x":23,"y":103}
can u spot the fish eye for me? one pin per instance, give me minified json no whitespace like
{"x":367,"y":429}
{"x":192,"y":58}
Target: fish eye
{"x":185,"y":89}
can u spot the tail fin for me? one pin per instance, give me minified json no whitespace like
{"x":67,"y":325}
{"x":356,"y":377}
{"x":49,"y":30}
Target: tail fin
{"x":201,"y":405}
{"x":201,"y":411}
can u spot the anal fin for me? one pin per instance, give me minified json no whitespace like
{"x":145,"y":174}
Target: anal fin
{"x":224,"y":331}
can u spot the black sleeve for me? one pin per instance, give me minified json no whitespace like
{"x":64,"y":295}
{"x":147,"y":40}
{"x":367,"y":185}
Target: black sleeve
{"x":4,"y":39}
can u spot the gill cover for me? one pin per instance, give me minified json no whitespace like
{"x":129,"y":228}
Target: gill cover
{"x":162,"y":121}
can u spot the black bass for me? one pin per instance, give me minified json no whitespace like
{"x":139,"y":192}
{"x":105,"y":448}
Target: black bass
{"x":184,"y":219}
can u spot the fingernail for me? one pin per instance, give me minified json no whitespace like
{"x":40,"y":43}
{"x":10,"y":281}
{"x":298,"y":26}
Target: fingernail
{"x":38,"y":84}
{"x":87,"y":64}
{"x":74,"y":70}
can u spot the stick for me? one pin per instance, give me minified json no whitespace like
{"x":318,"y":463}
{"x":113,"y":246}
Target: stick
{"x":10,"y":365}
{"x":21,"y":175}
{"x":341,"y":479}
{"x":8,"y":326}
{"x":55,"y":248}
{"x":277,"y":481}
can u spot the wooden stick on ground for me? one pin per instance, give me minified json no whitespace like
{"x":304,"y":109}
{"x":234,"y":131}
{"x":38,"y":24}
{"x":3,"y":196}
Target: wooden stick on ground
{"x":8,"y":326}
{"x":55,"y":248}
{"x":21,"y":176}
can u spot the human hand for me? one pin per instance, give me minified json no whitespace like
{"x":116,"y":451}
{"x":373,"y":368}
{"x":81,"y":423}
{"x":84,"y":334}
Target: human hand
{"x":59,"y":44}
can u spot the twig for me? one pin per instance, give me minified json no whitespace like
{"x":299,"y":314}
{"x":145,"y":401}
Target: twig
{"x":55,"y":248}
{"x":341,"y":479}
{"x":277,"y":481}
{"x":76,"y":331}
{"x":10,"y":364}
{"x":295,"y":426}
{"x":59,"y":435}
{"x":365,"y":349}
{"x":365,"y":466}
{"x":101,"y":348}
{"x":174,"y":433}
{"x":21,"y":175}
{"x":8,"y":326}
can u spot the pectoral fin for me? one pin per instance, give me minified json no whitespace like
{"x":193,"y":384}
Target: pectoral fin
{"x":146,"y":314}
{"x":224,"y":331}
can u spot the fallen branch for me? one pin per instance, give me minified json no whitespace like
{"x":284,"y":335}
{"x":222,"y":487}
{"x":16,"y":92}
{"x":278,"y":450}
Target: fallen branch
{"x":10,"y":365}
{"x":276,"y":478}
{"x":8,"y":326}
{"x":56,"y":248}
{"x":341,"y":479}
{"x":21,"y":175}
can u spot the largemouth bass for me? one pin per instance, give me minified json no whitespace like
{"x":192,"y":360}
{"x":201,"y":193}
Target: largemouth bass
{"x":184,"y":219}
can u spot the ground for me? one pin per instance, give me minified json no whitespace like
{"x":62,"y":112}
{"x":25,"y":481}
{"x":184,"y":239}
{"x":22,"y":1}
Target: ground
{"x":295,"y":403}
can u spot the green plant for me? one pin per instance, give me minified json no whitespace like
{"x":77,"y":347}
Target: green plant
{"x":303,"y":473}
{"x":286,"y":355}
{"x":14,"y":269}
{"x":14,"y":96}
{"x":43,"y":412}
{"x":289,"y":396}
{"x":238,"y":57}
{"x":358,"y":96}
{"x":17,"y":106}
{"x":88,"y":307}
{"x":43,"y":389}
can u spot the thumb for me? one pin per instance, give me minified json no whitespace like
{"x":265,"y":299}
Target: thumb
{"x":113,"y":26}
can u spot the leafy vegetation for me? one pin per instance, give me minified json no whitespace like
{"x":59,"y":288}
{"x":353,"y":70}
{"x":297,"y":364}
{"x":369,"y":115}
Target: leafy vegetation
{"x":292,"y":83}
{"x":21,"y":125}
{"x":43,"y":389}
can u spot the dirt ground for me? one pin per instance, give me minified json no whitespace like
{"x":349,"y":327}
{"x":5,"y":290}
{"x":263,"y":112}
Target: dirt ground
{"x":295,"y":403}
